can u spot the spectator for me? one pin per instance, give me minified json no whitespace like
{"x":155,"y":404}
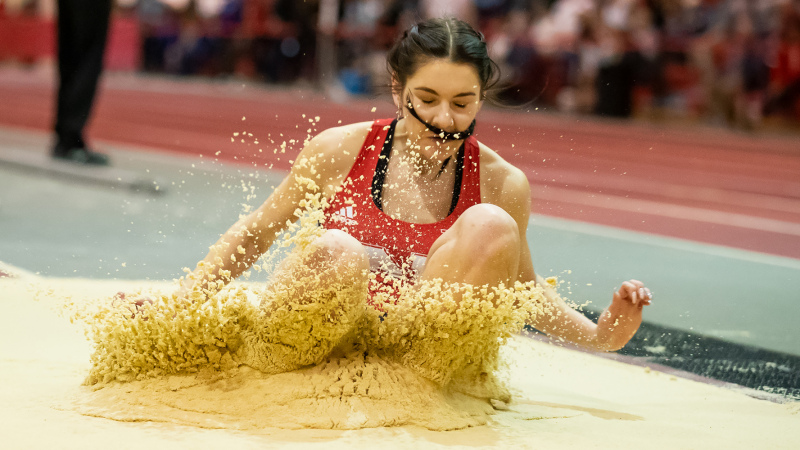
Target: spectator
{"x":688,"y":58}
{"x":160,"y":28}
{"x":460,"y":9}
{"x":619,"y":69}
{"x":511,"y":46}
{"x":785,"y":76}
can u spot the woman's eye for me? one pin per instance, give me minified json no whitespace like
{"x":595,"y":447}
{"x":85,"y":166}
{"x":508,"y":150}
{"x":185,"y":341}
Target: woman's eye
{"x":460,"y":105}
{"x":427,"y":102}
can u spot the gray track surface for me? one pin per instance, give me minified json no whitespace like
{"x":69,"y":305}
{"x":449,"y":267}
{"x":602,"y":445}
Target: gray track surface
{"x":64,"y":226}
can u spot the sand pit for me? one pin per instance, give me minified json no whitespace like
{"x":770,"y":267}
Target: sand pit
{"x":560,"y":398}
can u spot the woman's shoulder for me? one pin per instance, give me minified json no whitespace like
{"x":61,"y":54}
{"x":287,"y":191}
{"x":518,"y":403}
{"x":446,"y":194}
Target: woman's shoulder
{"x":335,"y":149}
{"x":329,"y":156}
{"x":341,"y":136}
{"x":502,"y":183}
{"x":499,"y":175}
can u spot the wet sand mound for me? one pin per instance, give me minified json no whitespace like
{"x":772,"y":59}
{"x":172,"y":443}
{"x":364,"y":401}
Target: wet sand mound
{"x":350,"y":392}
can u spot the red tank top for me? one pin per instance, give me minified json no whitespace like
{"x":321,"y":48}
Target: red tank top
{"x":397,"y":249}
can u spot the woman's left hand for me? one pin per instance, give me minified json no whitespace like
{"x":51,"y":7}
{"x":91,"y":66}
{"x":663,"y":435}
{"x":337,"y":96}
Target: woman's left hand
{"x":619,"y":322}
{"x":633,"y":292}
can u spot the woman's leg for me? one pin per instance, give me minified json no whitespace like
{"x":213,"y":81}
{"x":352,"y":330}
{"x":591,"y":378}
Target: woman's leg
{"x":314,"y":299}
{"x":481,"y":248}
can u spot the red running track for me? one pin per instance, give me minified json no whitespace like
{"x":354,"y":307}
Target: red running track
{"x":707,"y":185}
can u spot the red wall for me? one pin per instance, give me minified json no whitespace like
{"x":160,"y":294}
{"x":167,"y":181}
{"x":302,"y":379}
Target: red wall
{"x":30,"y":38}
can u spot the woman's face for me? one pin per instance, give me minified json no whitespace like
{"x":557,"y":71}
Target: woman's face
{"x":445,"y":94}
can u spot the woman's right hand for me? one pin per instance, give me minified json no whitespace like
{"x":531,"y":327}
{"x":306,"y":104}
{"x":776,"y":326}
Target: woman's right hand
{"x":135,"y":305}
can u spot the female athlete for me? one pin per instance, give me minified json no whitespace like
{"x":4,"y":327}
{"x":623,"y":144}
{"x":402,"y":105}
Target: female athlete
{"x":414,"y":198}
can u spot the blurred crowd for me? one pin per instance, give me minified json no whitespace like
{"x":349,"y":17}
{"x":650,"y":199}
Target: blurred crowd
{"x":735,"y":62}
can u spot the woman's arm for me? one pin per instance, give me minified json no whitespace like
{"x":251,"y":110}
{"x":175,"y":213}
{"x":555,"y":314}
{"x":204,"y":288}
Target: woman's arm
{"x":319,"y":169}
{"x":614,"y":328}
{"x":244,"y":242}
{"x":616,"y":325}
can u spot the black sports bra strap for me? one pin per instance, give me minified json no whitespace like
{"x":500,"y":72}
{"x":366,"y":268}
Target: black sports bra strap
{"x":382,"y":167}
{"x":459,"y":176}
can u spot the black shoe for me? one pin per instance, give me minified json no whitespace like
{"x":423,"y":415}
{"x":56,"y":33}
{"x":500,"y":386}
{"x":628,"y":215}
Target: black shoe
{"x":83,"y":156}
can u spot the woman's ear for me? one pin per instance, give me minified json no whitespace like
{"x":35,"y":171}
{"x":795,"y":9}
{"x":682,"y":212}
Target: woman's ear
{"x":396,"y":93}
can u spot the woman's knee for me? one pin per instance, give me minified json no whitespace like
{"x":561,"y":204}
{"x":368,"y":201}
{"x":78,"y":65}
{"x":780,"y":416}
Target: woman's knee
{"x":335,"y":260}
{"x":481,"y":248}
{"x":488,"y":228}
{"x":337,"y":248}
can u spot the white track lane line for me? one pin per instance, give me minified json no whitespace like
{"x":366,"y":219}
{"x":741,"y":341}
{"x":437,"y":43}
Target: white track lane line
{"x":642,"y":238}
{"x":618,"y":203}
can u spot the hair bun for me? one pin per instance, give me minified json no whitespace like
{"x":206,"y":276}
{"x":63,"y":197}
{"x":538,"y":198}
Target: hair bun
{"x":452,"y":39}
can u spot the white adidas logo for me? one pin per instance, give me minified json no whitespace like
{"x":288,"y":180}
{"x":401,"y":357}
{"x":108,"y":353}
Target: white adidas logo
{"x":346,"y":215}
{"x":347,"y":211}
{"x":381,"y":261}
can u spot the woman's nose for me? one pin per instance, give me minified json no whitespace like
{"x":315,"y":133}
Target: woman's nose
{"x":443,"y":118}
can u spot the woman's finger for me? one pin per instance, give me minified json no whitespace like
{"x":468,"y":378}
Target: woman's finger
{"x":628,"y":287}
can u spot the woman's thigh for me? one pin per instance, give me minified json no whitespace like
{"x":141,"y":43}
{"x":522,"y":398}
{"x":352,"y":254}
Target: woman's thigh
{"x":450,"y":329}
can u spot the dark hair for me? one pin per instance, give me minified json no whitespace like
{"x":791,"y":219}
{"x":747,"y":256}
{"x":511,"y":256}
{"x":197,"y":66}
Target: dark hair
{"x":448,"y":38}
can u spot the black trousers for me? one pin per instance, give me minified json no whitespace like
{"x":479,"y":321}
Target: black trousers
{"x":784,"y":101}
{"x":82,"y":32}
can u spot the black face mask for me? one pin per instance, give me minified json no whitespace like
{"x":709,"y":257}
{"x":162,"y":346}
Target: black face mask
{"x":441,"y":134}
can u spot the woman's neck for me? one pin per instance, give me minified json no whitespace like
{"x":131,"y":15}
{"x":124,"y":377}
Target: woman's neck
{"x":427,"y":158}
